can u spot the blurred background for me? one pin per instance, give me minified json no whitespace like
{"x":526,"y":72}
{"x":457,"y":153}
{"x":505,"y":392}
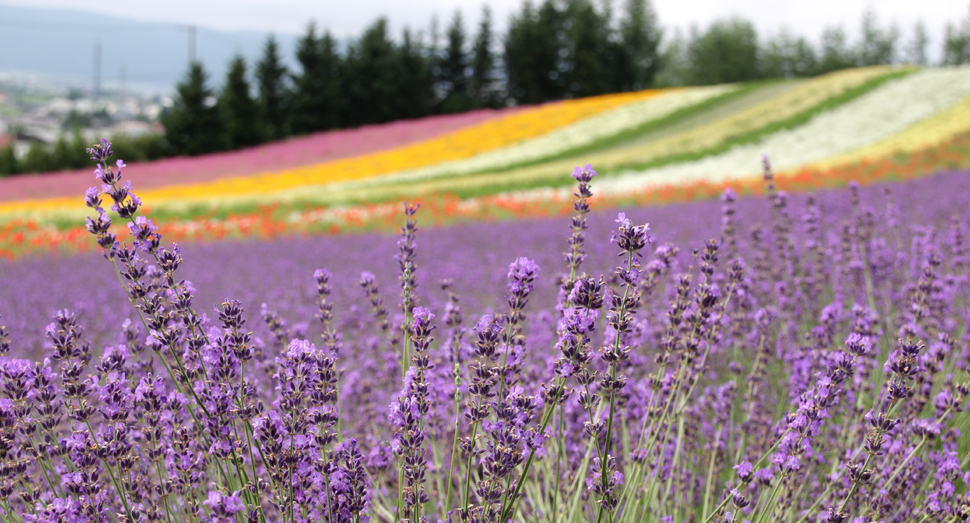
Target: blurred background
{"x":189,"y":78}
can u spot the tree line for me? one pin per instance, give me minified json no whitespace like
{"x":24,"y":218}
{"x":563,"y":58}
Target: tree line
{"x":552,"y":50}
{"x":555,"y":50}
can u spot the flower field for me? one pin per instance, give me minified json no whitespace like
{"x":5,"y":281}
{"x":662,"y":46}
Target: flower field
{"x":771,"y":356}
{"x":866,"y":120}
{"x":639,"y":141}
{"x":464,"y":142}
{"x":582,"y":133}
{"x":295,"y":152}
{"x":650,"y":147}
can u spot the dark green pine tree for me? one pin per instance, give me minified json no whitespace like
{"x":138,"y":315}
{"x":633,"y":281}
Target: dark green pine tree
{"x":415,"y":90}
{"x":192,"y":123}
{"x":956,"y":43}
{"x":519,"y":56}
{"x":787,"y":56}
{"x":726,"y":52}
{"x":638,"y":57}
{"x":550,"y":48}
{"x":835,"y":53}
{"x":454,"y":69}
{"x":588,"y":50}
{"x":316,"y":96}
{"x":482,"y":84}
{"x":916,"y":47}
{"x":8,"y":161}
{"x":274,"y":97}
{"x":69,"y":153}
{"x":533,"y":65}
{"x":877,"y":45}
{"x":370,"y":78}
{"x":237,"y":109}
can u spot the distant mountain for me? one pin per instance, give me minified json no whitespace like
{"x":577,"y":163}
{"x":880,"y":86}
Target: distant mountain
{"x":60,"y":43}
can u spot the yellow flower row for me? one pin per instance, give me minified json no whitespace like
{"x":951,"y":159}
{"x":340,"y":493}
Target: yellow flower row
{"x":457,"y":145}
{"x":926,"y":133}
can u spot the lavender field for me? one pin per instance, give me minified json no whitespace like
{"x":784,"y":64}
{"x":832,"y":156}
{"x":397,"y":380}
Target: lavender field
{"x":789,"y":358}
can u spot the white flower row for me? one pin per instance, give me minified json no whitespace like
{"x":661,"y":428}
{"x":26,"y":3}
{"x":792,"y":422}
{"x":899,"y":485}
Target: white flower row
{"x":578,"y":134}
{"x":888,"y":110}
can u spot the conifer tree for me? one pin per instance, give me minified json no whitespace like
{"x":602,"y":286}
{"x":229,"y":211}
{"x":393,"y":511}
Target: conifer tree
{"x":371,"y":80}
{"x":316,"y":96}
{"x":532,"y":55}
{"x":273,"y":93}
{"x":482,"y":82}
{"x":788,"y":56}
{"x":37,"y":159}
{"x":237,"y":108}
{"x":8,"y":161}
{"x":638,"y":60}
{"x":415,"y":90}
{"x":836,"y":54}
{"x":726,"y":52}
{"x":956,"y":43}
{"x":521,"y":62}
{"x":675,"y":57}
{"x":550,"y":49}
{"x":454,"y":69}
{"x":877,"y":45}
{"x":588,"y":53}
{"x":916,"y":49}
{"x":192,"y":123}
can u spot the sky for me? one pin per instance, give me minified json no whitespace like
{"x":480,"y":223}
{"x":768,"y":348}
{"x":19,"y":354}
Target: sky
{"x":347,"y":19}
{"x":344,"y":18}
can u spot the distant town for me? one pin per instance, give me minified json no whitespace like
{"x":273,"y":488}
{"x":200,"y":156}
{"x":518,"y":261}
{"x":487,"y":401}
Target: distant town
{"x":34,"y":110}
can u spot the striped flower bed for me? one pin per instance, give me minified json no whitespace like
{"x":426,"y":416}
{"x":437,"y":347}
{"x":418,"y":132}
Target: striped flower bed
{"x":463,"y":143}
{"x":295,"y":152}
{"x":820,"y":125}
{"x":270,"y":221}
{"x":861,"y":123}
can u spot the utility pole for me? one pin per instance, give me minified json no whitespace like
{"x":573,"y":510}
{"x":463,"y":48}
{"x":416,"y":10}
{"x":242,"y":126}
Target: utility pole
{"x":97,"y":69}
{"x":124,"y":75}
{"x":191,"y":44}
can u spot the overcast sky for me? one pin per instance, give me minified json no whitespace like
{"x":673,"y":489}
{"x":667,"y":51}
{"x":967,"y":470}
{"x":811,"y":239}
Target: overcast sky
{"x":347,"y":18}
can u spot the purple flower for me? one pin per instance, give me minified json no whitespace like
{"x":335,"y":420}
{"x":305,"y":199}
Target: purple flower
{"x":100,"y":152}
{"x":224,"y":506}
{"x":322,"y":275}
{"x":523,"y":270}
{"x":579,"y":321}
{"x":422,"y":317}
{"x":91,"y":198}
{"x":142,"y":228}
{"x":858,"y":344}
{"x":744,"y":470}
{"x":584,"y":174}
